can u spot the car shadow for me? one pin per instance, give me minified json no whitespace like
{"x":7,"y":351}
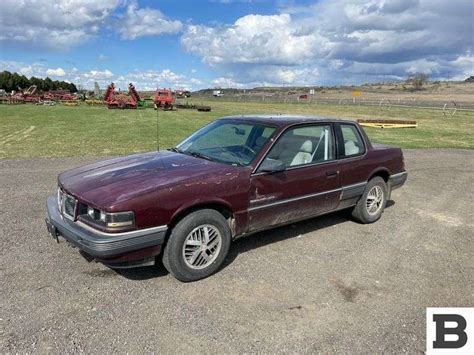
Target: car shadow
{"x":293,"y":230}
{"x":254,"y":241}
{"x":145,"y":272}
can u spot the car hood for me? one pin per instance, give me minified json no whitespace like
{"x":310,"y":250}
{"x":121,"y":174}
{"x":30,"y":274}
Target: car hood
{"x":107,"y":183}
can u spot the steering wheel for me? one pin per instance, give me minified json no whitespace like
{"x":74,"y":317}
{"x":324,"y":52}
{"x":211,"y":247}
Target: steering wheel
{"x":249,"y":149}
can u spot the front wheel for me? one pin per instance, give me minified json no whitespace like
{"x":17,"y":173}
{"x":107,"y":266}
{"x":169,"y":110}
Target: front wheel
{"x":370,"y":206}
{"x":197,"y":246}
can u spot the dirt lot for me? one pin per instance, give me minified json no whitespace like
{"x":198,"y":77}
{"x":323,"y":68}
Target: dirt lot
{"x":324,"y":285}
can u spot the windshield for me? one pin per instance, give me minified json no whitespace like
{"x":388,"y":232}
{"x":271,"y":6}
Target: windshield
{"x":225,"y":141}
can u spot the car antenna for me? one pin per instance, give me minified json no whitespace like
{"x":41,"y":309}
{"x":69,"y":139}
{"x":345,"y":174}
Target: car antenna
{"x":157,"y":131}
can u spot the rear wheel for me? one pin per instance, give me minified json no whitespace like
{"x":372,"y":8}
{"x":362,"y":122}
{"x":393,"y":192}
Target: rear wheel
{"x":370,"y":206}
{"x":197,"y":246}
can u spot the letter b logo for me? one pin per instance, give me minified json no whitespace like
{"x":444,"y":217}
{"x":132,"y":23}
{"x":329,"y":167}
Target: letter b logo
{"x":449,"y":331}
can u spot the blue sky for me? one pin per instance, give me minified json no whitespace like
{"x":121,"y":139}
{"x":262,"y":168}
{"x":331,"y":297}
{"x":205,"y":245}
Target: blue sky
{"x":236,"y":43}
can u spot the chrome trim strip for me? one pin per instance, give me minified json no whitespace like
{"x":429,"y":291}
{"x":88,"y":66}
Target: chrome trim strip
{"x":355,"y":185}
{"x":305,"y":196}
{"x":252,"y":202}
{"x":131,"y":234}
{"x":238,"y":236}
{"x":353,"y":190}
{"x":398,"y":174}
{"x":293,"y":199}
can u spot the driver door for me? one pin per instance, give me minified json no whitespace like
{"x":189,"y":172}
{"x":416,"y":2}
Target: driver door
{"x":308,"y":186}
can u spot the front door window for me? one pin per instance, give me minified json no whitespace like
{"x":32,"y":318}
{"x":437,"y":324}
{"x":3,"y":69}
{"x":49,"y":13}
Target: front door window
{"x":304,"y":145}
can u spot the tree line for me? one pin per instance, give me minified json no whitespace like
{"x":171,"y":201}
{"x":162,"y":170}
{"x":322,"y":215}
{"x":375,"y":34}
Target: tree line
{"x":14,"y":81}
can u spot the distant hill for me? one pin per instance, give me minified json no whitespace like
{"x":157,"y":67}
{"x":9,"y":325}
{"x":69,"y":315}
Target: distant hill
{"x":383,"y":87}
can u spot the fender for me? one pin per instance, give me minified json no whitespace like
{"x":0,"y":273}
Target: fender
{"x":380,"y":171}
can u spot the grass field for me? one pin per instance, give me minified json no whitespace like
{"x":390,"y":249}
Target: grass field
{"x":42,"y":131}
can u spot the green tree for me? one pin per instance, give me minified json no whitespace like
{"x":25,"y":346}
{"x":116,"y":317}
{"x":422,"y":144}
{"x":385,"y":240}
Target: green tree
{"x":12,"y":81}
{"x":418,"y":80}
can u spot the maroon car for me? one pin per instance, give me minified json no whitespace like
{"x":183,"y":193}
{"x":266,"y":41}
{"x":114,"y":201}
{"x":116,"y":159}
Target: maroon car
{"x":236,"y":176}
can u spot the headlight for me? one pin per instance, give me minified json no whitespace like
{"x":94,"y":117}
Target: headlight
{"x":118,"y":220}
{"x":114,"y":220}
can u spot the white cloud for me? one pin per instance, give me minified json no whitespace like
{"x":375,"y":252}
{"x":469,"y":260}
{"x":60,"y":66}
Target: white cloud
{"x":464,"y":65}
{"x":56,"y":72}
{"x":54,"y":24}
{"x":340,"y":41}
{"x":137,"y":23}
{"x":223,"y":82}
{"x":151,"y":79}
{"x":27,"y":71}
{"x":34,"y":69}
{"x":253,"y":39}
{"x":61,"y":24}
{"x":143,"y":80}
{"x":97,"y":74}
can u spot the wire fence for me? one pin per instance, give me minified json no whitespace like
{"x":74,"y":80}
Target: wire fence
{"x":448,"y":107}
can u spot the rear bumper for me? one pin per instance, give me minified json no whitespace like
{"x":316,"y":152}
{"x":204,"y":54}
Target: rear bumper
{"x":397,"y":180}
{"x":104,"y":247}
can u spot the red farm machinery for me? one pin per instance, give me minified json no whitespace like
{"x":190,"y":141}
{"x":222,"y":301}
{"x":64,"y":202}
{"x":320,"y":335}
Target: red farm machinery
{"x":164,"y":99}
{"x":121,"y":100}
{"x":59,"y":95}
{"x":26,"y":96}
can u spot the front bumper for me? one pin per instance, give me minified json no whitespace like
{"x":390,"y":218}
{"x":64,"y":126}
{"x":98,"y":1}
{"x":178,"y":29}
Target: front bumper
{"x":99,"y":245}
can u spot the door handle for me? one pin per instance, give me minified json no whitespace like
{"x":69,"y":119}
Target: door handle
{"x":331,"y":174}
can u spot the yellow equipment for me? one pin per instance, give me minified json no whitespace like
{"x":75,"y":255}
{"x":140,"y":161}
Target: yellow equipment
{"x":388,"y":123}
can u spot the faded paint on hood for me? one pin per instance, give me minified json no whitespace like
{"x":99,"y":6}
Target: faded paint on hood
{"x":107,"y":183}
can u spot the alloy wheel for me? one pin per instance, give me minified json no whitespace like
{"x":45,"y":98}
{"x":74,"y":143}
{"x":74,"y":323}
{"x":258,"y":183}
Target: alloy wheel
{"x":374,"y":200}
{"x":202,"y":246}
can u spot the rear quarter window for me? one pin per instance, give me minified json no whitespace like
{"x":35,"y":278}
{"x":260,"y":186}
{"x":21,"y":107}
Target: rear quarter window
{"x":353,"y":143}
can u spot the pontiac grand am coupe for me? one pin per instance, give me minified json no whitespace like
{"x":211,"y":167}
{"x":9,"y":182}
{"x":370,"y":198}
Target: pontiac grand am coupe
{"x":236,"y":176}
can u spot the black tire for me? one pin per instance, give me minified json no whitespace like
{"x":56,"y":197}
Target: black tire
{"x":360,"y":212}
{"x":173,"y":258}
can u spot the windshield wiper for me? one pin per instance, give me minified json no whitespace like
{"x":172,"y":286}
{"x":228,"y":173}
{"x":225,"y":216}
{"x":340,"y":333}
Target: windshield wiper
{"x":194,"y":154}
{"x":176,"y":150}
{"x":200,"y":155}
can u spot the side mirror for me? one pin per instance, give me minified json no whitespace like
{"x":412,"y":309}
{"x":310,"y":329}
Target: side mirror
{"x":272,"y":166}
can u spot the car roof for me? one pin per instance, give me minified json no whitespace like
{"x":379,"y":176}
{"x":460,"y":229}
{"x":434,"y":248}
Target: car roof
{"x":283,"y":120}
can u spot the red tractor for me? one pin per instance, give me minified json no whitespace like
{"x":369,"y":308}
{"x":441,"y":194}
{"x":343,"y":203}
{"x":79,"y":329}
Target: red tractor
{"x":164,"y":99}
{"x":121,"y":100}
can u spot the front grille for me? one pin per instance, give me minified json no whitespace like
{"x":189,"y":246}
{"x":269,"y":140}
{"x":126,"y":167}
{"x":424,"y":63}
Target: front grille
{"x":67,"y":205}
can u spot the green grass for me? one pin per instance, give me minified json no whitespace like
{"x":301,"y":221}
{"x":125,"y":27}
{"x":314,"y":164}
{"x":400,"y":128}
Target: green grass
{"x":41,"y":131}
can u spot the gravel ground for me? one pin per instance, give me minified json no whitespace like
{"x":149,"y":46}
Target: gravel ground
{"x":324,"y":285}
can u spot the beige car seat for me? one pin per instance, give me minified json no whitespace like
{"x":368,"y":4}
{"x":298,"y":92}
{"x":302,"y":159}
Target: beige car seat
{"x":304,"y":155}
{"x":351,"y":148}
